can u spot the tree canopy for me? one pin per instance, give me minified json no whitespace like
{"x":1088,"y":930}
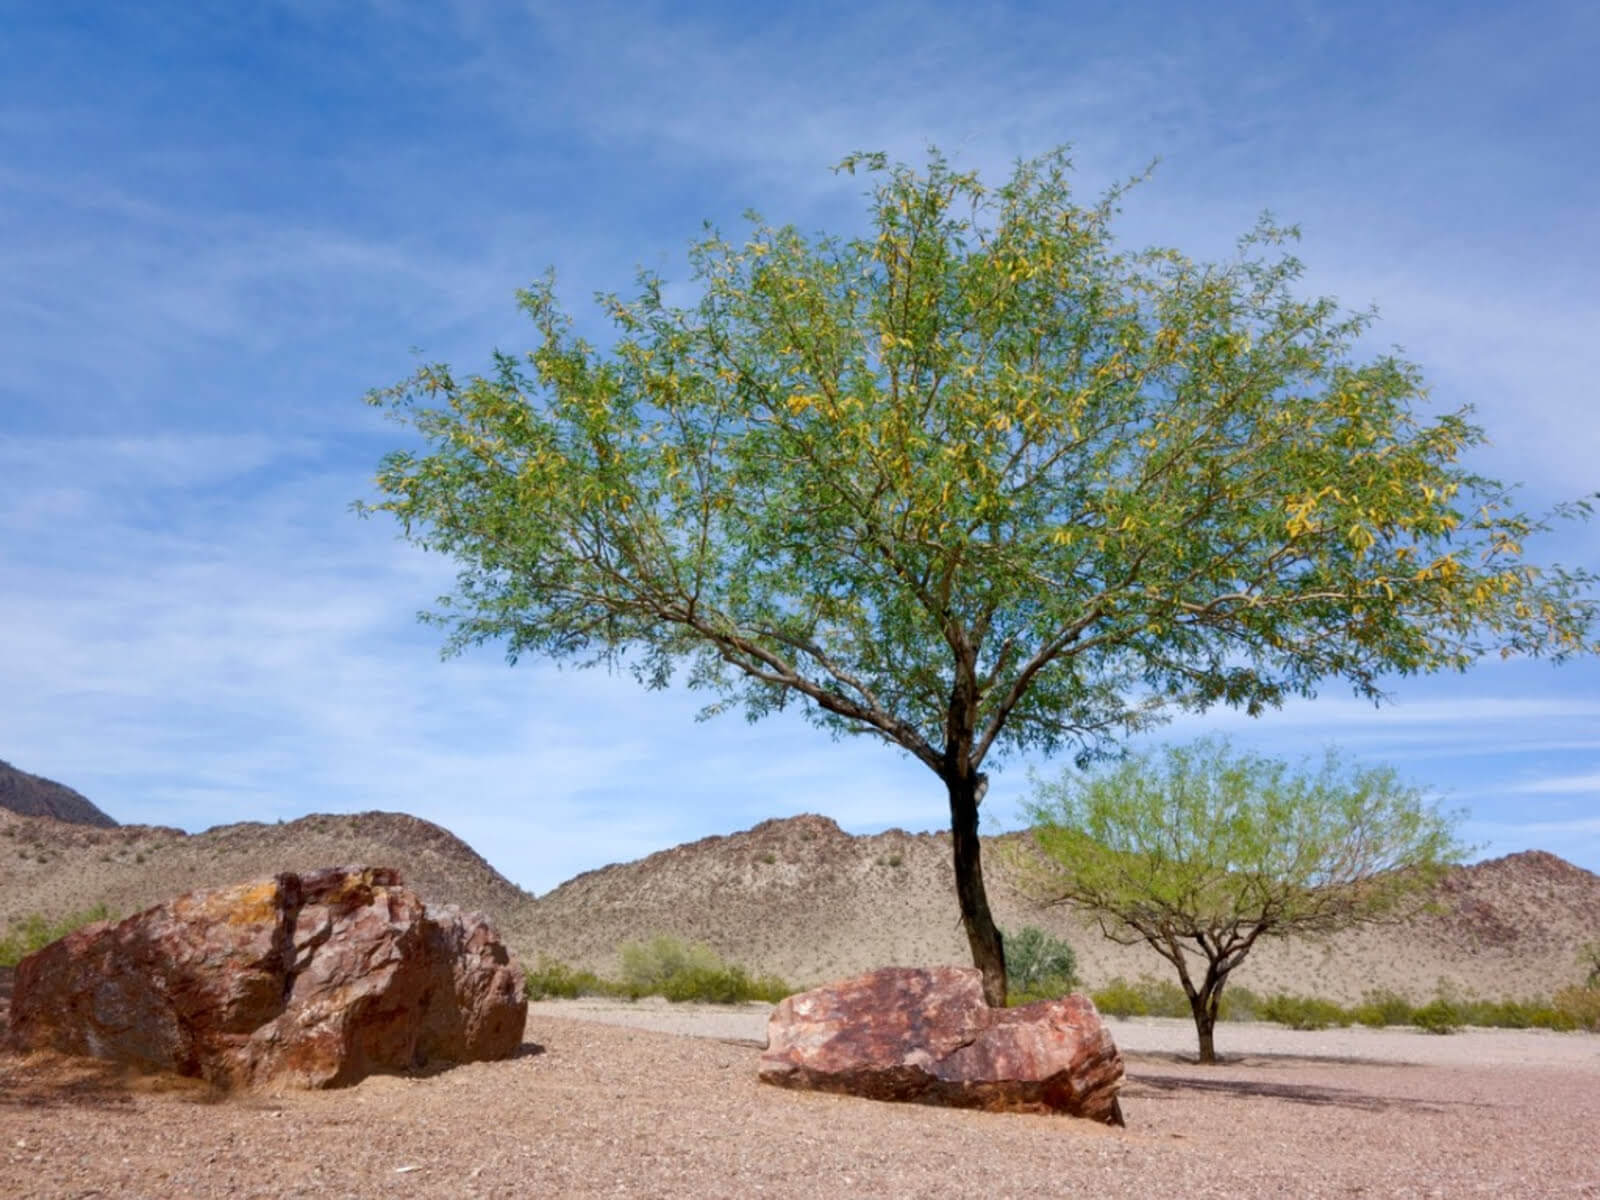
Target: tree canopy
{"x":1199,"y":852}
{"x":974,"y":482}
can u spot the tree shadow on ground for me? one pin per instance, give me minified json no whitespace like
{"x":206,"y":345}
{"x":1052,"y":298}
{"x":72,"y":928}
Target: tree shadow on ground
{"x":1146,"y":1086}
{"x":1227,"y":1061}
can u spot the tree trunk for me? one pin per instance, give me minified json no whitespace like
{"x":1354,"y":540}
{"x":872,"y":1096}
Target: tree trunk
{"x":988,"y":952}
{"x":1204,"y":1007}
{"x":1206,"y":1027}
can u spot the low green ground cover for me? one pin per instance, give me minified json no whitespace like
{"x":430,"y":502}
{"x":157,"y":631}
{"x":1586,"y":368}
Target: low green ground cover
{"x":1044,"y":967}
{"x":661,"y":966}
{"x":34,"y":932}
{"x":1571,"y":1008}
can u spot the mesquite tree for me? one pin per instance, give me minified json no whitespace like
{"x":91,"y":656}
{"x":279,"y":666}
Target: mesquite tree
{"x":1200,"y":853}
{"x":973,"y":483}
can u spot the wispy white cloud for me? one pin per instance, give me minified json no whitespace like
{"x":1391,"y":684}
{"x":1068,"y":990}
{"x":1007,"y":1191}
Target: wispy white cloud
{"x":1583,"y":826}
{"x":1563,"y":785}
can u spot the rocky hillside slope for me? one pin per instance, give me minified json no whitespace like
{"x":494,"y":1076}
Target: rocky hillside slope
{"x":805,"y":900}
{"x":54,"y":868}
{"x":34,"y":796}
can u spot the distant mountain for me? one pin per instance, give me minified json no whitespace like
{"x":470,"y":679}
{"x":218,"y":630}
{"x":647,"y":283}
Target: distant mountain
{"x":35,"y":796}
{"x":53,"y":868}
{"x":803,"y":899}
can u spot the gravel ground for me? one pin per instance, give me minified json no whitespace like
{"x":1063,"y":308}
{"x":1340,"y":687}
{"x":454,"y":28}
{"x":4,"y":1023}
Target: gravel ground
{"x":598,"y":1107}
{"x":1156,"y":1035}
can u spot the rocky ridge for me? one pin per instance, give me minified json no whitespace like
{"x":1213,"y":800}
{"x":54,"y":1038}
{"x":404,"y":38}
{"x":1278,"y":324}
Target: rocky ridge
{"x":52,"y":868}
{"x":803,"y":899}
{"x":35,"y":796}
{"x":809,"y":902}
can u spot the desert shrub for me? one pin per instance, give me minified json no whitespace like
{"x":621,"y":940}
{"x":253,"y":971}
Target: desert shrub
{"x":1041,"y":967}
{"x":1165,"y":998}
{"x":1381,"y":1007}
{"x":1146,"y":998}
{"x":663,"y":966}
{"x":1548,"y":1016}
{"x":1438,"y":1015}
{"x":1119,"y":998}
{"x":34,"y":932}
{"x":1239,"y":1003}
{"x":1506,"y":1013}
{"x":648,"y":966}
{"x":1589,"y":960}
{"x":679,"y":970}
{"x":552,"y":979}
{"x":1580,"y":1005}
{"x":1303,"y":1012}
{"x":724,"y":985}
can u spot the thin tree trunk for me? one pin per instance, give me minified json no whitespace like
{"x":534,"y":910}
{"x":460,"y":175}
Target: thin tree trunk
{"x":988,"y":950}
{"x":1204,"y":1007}
{"x":1206,"y":1029}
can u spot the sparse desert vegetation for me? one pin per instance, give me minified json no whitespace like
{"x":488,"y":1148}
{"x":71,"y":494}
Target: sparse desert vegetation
{"x":712,"y":921}
{"x":663,"y":966}
{"x":1447,"y":1011}
{"x":35,"y":931}
{"x":1512,"y":927}
{"x":1041,"y":965}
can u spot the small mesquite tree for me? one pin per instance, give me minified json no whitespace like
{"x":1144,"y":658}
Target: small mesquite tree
{"x":1200,"y":853}
{"x":975,"y":483}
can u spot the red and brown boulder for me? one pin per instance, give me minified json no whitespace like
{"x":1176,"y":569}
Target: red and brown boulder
{"x":903,"y":1033}
{"x":312,"y":980}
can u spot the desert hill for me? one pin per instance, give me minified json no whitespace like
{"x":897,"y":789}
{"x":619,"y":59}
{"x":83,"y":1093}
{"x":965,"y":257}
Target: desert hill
{"x":35,"y":796}
{"x":803,"y":899}
{"x":55,"y":868}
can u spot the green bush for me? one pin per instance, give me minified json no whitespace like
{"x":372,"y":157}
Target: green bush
{"x":1439,"y":1015}
{"x":648,"y":966}
{"x":1589,"y":960}
{"x":1503,"y":1014}
{"x":1303,"y":1012}
{"x":679,"y":970}
{"x":1039,"y":967}
{"x":1580,"y":1005}
{"x":724,"y":985}
{"x":1119,"y":998}
{"x":1548,"y":1016}
{"x":1239,"y":1003}
{"x":663,"y":966}
{"x":1147,"y":998}
{"x":34,"y":932}
{"x":552,"y":979}
{"x":1382,"y":1007}
{"x":1448,"y":1012}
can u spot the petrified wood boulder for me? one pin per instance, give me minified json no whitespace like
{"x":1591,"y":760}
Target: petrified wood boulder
{"x":313,"y":980}
{"x":903,"y":1033}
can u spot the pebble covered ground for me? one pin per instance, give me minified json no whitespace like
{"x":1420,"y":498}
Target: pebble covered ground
{"x":590,"y":1108}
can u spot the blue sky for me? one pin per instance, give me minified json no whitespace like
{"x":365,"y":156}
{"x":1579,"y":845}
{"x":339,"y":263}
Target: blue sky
{"x":220,"y":225}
